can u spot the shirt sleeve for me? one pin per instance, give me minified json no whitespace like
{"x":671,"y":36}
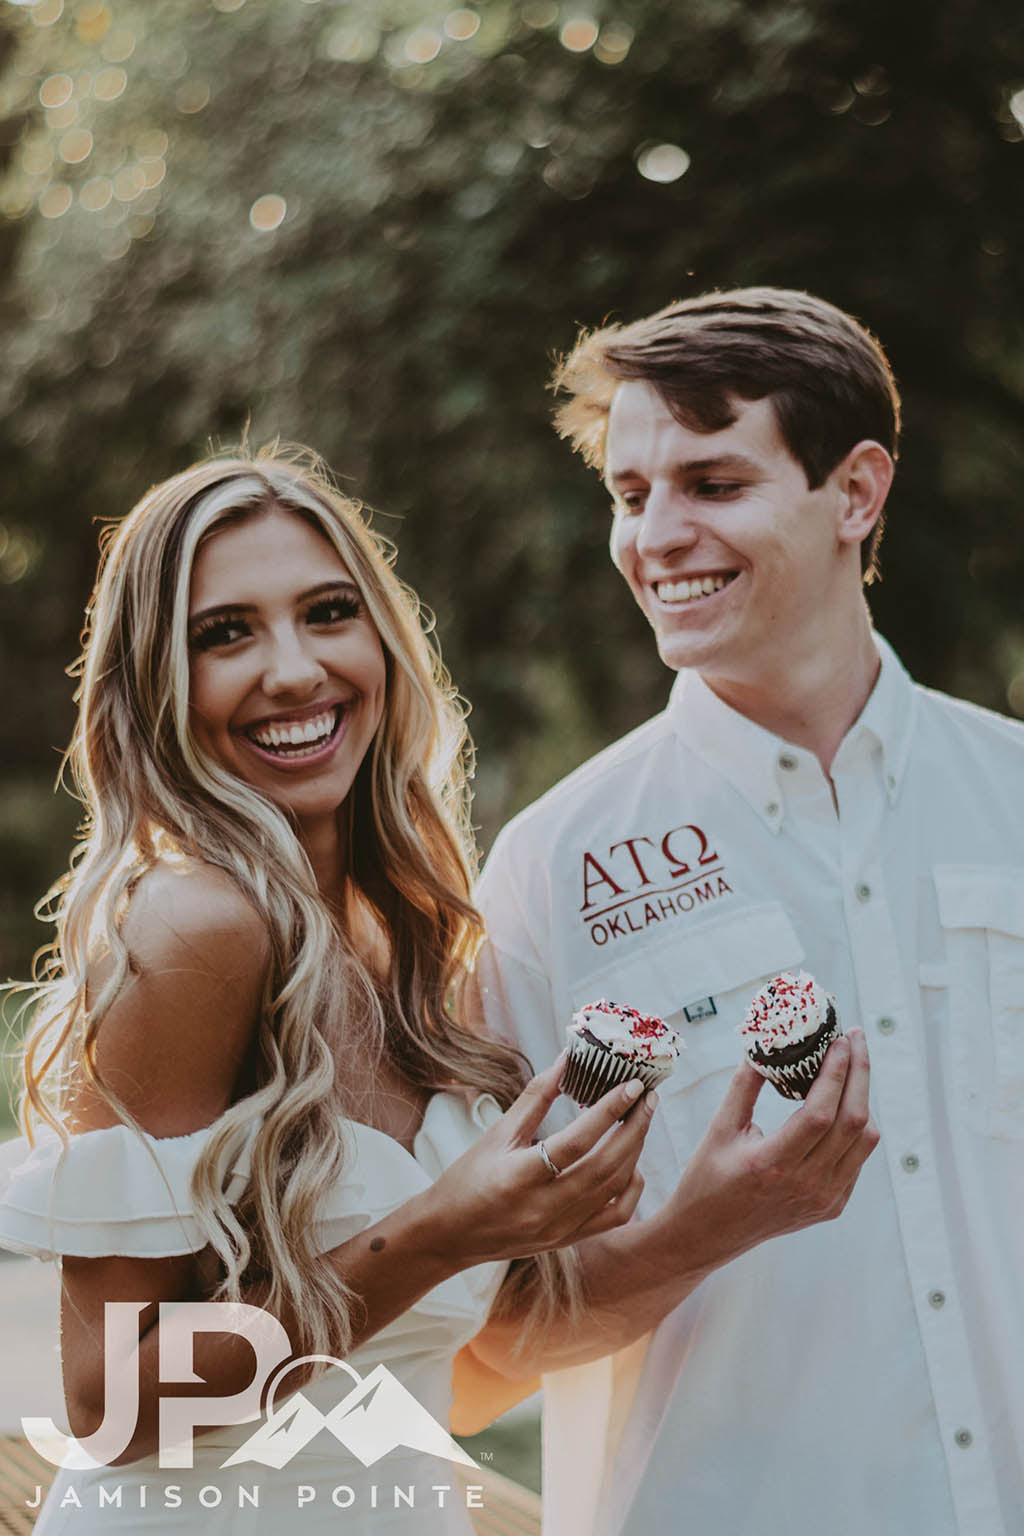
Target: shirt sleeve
{"x":511,"y":989}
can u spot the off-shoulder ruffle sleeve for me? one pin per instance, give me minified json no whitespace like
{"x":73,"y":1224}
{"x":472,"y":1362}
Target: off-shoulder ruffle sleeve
{"x":111,"y":1192}
{"x":106,"y":1192}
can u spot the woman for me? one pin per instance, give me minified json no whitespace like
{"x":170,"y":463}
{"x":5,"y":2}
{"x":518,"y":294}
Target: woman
{"x":252,"y":1079}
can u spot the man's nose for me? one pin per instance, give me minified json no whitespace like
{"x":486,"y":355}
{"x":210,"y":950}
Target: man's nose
{"x":667,"y":523}
{"x":291,"y":664}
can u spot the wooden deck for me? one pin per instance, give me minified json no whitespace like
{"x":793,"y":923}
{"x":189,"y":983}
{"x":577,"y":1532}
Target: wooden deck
{"x":509,"y":1510}
{"x":20,"y":1470}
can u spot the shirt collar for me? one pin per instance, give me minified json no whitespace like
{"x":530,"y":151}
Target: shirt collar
{"x":888,"y":717}
{"x":756,"y":762}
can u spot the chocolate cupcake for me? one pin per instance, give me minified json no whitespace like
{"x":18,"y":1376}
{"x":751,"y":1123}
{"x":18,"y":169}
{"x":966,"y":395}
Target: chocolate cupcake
{"x":610,"y":1043}
{"x":789,"y":1026}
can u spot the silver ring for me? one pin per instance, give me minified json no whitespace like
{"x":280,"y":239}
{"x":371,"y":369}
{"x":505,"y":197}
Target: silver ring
{"x":545,"y":1157}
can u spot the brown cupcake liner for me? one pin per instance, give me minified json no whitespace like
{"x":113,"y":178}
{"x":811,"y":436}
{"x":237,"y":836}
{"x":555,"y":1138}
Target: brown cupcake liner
{"x":794,"y":1079}
{"x":591,"y":1071}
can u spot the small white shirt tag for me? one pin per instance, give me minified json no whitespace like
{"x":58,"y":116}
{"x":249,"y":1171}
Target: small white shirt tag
{"x":704,"y":1009}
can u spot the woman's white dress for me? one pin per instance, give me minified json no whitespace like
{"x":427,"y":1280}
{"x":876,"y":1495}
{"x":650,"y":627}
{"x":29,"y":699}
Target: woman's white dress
{"x":106,"y":1196}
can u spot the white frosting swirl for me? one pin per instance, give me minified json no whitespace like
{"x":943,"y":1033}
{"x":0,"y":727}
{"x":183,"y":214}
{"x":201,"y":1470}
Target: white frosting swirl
{"x":787,"y":1009}
{"x":626,"y":1032}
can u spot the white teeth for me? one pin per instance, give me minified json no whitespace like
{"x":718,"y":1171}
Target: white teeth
{"x":685,"y":591}
{"x":296,"y":735}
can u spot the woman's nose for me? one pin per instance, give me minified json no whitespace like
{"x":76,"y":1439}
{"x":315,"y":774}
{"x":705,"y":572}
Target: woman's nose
{"x":291,"y":664}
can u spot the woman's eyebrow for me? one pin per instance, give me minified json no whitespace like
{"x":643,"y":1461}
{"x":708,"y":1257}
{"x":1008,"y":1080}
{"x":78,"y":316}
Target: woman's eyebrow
{"x":320,"y":590}
{"x":341,"y":584}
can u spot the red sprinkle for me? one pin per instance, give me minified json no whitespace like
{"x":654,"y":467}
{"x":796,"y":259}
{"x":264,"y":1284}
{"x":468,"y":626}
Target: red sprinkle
{"x":642,"y":1026}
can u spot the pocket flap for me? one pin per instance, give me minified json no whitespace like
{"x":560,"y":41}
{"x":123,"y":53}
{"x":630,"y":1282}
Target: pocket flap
{"x":715,"y":957}
{"x":981,"y":896}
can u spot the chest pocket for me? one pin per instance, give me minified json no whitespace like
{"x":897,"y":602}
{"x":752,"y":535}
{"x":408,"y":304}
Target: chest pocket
{"x":710,"y":972}
{"x":981,"y":910}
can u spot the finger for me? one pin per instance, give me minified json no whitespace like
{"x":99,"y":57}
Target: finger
{"x":624,"y":1142}
{"x":858,"y":1077}
{"x":853,"y":1159}
{"x":853,"y":1112}
{"x":525,"y":1114}
{"x":803,"y":1132}
{"x":568,"y":1146}
{"x":614,"y":1213}
{"x":604,"y":1173}
{"x":736,"y":1110}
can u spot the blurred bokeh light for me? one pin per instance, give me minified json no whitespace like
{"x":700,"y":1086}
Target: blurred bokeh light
{"x":662,"y":162}
{"x":268,"y":212}
{"x":579,"y":33}
{"x":462,"y":25}
{"x":369,"y":224}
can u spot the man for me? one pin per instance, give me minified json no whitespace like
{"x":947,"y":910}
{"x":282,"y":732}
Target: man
{"x":800,"y":803}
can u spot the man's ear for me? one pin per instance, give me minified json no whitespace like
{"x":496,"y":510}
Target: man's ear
{"x":863,"y":480}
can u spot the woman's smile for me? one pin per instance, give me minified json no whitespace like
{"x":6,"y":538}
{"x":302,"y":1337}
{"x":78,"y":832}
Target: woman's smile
{"x":299,"y":738}
{"x":288,"y":675}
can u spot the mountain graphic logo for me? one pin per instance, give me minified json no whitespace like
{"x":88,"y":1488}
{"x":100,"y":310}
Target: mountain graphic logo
{"x":378,"y":1415}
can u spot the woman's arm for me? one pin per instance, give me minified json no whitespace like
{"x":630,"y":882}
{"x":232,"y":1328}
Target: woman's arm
{"x":173,"y":1047}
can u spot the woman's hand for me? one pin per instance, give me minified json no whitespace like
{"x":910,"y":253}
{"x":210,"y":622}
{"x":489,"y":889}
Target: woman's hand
{"x":501,"y":1200}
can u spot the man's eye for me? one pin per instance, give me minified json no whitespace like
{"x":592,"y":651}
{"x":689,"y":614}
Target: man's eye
{"x":632,"y":501}
{"x":718,"y":490}
{"x":217,"y":632}
{"x":333,"y":610}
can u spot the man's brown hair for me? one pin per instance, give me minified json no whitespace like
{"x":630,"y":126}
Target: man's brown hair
{"x":828,"y":380}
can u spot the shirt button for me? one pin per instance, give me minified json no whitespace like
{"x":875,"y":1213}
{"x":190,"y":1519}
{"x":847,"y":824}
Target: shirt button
{"x":787,"y":761}
{"x":963,"y":1438}
{"x":886,"y":1027}
{"x":772,"y":808}
{"x":937,"y":1299}
{"x":911,"y":1162}
{"x":862,"y":892}
{"x":890,"y":779}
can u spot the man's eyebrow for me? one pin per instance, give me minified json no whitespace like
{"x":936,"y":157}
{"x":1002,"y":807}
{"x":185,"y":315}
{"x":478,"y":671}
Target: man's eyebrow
{"x":734,"y":462}
{"x":320,"y":590}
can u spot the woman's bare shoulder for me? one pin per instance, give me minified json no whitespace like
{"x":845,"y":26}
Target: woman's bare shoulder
{"x":184,"y":907}
{"x":174,"y":1040}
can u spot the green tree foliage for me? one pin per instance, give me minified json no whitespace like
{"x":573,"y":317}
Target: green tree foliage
{"x":456,"y":192}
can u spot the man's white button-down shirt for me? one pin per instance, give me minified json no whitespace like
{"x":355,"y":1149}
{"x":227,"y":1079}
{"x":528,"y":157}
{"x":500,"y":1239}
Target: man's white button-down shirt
{"x":863,"y":1377}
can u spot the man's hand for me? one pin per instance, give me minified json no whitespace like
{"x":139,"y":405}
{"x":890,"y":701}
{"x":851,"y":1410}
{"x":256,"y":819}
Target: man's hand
{"x":741,"y":1187}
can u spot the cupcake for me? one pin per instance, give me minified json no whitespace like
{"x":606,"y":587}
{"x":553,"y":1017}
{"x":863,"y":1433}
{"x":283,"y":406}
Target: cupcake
{"x":789,"y":1026}
{"x":610,"y":1043}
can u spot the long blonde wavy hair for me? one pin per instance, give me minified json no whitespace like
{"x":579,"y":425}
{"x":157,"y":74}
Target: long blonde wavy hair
{"x":151,"y":792}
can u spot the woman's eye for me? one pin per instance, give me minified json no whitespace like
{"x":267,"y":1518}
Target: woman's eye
{"x":218,"y":632}
{"x":333,"y":610}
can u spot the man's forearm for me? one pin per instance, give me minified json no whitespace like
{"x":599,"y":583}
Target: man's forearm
{"x":632,"y":1278}
{"x":739,"y":1189}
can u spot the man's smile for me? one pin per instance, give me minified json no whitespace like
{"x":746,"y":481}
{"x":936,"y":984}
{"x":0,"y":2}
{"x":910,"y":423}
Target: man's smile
{"x":690,"y":589}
